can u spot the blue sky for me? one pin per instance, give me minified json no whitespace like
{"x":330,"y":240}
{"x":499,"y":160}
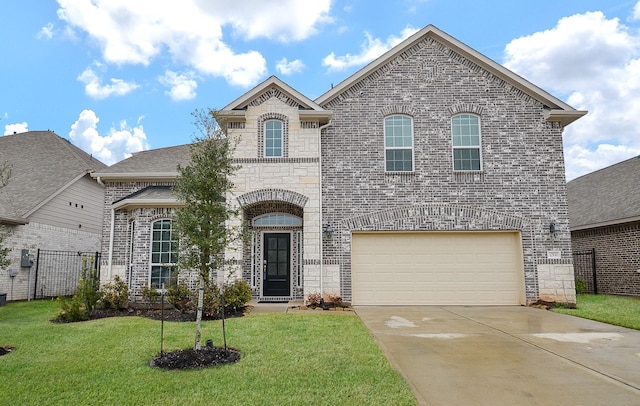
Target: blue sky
{"x":119,"y":76}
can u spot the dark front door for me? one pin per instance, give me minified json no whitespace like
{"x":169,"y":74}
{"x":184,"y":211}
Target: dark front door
{"x":276,"y":276}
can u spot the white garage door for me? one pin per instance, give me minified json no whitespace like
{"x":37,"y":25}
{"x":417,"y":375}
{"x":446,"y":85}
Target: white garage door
{"x":437,"y":268}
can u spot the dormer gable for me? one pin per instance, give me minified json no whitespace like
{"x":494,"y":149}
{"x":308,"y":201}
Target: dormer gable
{"x":272,"y":87}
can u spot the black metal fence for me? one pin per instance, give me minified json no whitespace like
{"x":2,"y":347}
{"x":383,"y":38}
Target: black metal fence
{"x":584,"y":268}
{"x":58,"y":272}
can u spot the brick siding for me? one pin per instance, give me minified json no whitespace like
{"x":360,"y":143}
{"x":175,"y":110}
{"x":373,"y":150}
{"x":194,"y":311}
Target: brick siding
{"x":617,"y":250}
{"x":521,"y":186}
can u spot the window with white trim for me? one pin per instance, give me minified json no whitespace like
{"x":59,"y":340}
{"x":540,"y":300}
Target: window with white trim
{"x":398,"y":143}
{"x":465,"y":129}
{"x":273,"y":139}
{"x":164,"y":254}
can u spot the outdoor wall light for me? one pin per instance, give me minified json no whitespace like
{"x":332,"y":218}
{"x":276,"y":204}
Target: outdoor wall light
{"x":552,"y":229}
{"x":328,"y":230}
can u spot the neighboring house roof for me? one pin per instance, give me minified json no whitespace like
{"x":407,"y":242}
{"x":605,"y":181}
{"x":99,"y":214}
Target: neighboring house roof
{"x":605,"y":197}
{"x":557,"y":109}
{"x":156,"y":164}
{"x":42,"y":165}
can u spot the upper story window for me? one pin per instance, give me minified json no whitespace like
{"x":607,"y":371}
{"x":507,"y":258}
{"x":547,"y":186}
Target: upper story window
{"x":273,"y":138}
{"x":398,"y":143}
{"x":164,"y":253}
{"x":465,"y":129}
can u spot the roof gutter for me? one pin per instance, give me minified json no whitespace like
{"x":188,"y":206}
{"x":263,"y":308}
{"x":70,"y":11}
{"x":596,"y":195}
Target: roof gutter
{"x":605,"y":223}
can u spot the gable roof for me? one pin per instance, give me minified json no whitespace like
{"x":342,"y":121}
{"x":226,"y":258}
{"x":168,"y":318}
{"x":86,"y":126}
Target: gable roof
{"x":42,"y":165}
{"x":558,"y":110}
{"x":151,"y":196}
{"x":605,"y":197}
{"x":272,"y":86}
{"x":154,"y":164}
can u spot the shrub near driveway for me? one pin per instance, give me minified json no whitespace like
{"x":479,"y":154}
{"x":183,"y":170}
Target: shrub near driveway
{"x":287,"y":359}
{"x":621,"y":311}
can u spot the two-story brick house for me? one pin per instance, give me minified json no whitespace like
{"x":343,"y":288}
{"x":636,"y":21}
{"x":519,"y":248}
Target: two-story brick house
{"x":431,"y":176}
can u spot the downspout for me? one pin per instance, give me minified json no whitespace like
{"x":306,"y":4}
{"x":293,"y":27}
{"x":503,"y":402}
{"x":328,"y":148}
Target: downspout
{"x":113,"y":227}
{"x":320,"y":208}
{"x":111,"y":231}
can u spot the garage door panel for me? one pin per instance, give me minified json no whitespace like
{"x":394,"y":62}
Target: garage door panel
{"x":437,"y":268}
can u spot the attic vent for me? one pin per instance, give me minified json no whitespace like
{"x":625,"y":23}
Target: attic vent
{"x":235,"y":125}
{"x":309,"y":124}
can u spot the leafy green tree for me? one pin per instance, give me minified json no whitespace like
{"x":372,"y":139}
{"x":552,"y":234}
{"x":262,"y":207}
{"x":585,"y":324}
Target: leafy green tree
{"x":203,"y":222}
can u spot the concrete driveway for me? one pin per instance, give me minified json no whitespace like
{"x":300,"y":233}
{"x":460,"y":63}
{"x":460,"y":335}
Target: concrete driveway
{"x":456,"y":355}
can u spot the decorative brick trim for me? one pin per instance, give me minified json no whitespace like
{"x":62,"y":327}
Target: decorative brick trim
{"x":274,"y":92}
{"x":398,"y":109}
{"x":285,"y":133}
{"x":466,"y":108}
{"x":276,"y":160}
{"x":451,"y":216}
{"x":265,"y":195}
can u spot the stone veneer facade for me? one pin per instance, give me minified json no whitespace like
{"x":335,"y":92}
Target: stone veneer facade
{"x":521,"y":185}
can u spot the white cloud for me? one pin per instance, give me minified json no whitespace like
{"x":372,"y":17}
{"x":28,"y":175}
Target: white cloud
{"x":182,"y":86}
{"x":46,"y":31}
{"x":16,"y":128}
{"x":370,"y":49}
{"x":636,"y":12}
{"x":594,"y":64}
{"x":118,"y":144}
{"x":96,"y":90}
{"x":284,"y":67}
{"x":133,"y":32}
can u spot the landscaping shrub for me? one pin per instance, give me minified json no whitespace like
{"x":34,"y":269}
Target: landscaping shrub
{"x":182,"y":297}
{"x":581,"y":286}
{"x":80,"y":306}
{"x":115,"y":295}
{"x":335,"y":298}
{"x":314,"y":299}
{"x":150,"y":294}
{"x":236,"y":294}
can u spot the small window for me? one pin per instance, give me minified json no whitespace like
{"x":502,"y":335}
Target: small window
{"x":277,"y":220}
{"x":164,"y":254}
{"x":273,"y":138}
{"x":398,"y":143}
{"x":466,"y":142}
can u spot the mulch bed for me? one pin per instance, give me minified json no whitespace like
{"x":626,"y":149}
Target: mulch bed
{"x":190,"y":358}
{"x":179,"y":359}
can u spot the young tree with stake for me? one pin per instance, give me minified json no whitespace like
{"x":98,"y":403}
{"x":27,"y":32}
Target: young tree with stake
{"x":203,"y":223}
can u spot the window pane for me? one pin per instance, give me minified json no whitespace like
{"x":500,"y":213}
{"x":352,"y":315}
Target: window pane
{"x":466,"y":159}
{"x":399,"y":160}
{"x":465,"y":129}
{"x":273,"y":138}
{"x":398,"y":142}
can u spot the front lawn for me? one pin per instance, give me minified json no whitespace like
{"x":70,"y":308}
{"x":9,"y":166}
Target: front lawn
{"x":287,"y":359}
{"x":617,"y":310}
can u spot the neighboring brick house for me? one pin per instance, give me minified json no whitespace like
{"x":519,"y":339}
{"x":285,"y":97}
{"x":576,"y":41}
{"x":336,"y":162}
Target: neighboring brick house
{"x":51,"y":202}
{"x":604,"y":216}
{"x":430,"y":176}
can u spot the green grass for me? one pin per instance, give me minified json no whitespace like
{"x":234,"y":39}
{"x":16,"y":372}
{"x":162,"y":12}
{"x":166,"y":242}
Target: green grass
{"x":287,"y":359}
{"x":617,"y":310}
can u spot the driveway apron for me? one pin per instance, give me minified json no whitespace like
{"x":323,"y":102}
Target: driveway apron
{"x":511,"y":355}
